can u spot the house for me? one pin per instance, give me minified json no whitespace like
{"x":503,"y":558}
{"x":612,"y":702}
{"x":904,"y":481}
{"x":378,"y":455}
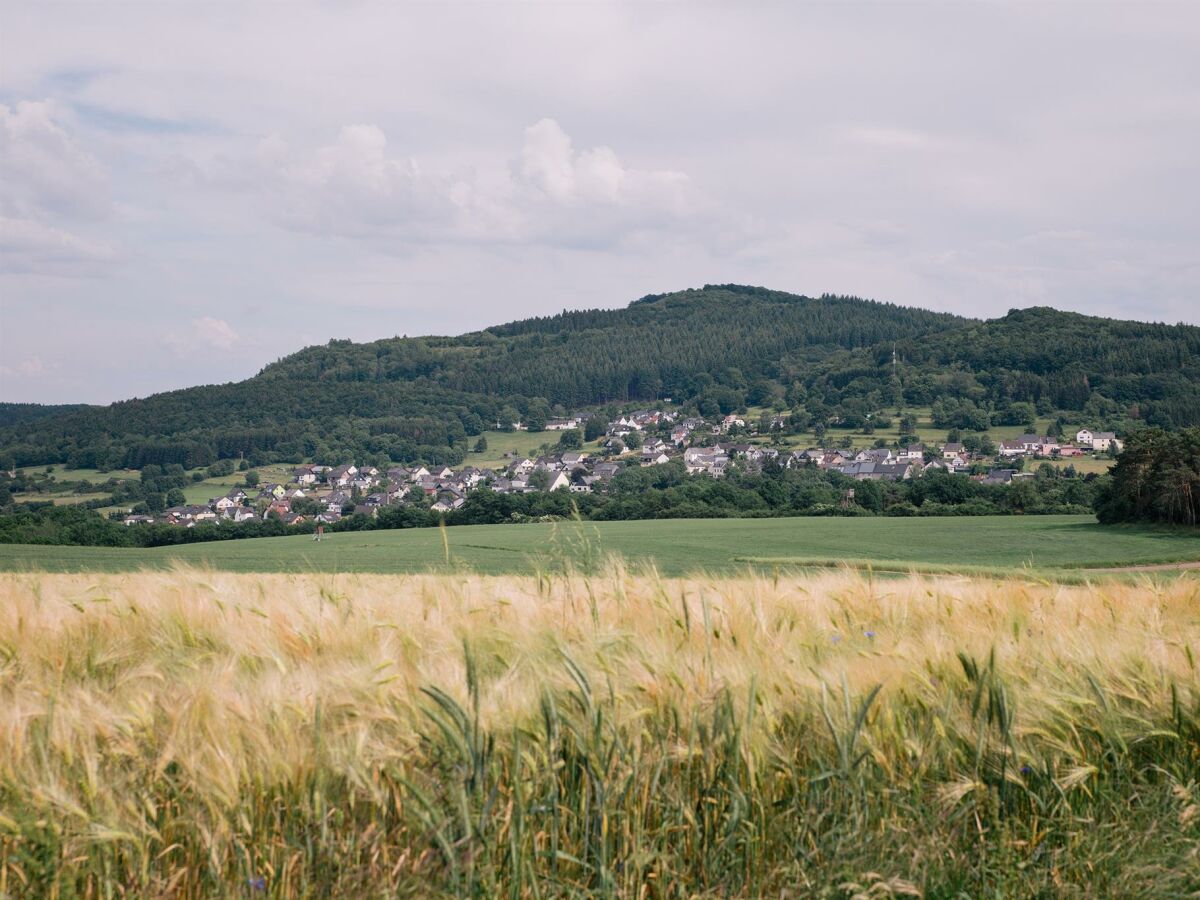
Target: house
{"x":473,"y":477}
{"x":138,"y":520}
{"x":341,"y":476}
{"x":237,"y":495}
{"x":521,"y":468}
{"x":876,"y":454}
{"x":1032,"y":443}
{"x":877,"y":471}
{"x":999,"y":476}
{"x":651,"y":458}
{"x":606,"y":470}
{"x":221,"y":504}
{"x":582,"y":483}
{"x":626,"y":423}
{"x":304,"y":475}
{"x":562,"y":424}
{"x":244,"y":514}
{"x":914,"y":453}
{"x":1084,"y":437}
{"x":189,"y":513}
{"x":436,"y":471}
{"x":707,"y":460}
{"x":952,"y":450}
{"x":1103,"y":441}
{"x":1011,"y":448}
{"x":731,"y":421}
{"x":558,"y":482}
{"x":830,"y":459}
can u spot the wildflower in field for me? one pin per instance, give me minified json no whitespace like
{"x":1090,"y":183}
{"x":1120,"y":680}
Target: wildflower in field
{"x":258,"y":883}
{"x":869,"y":635}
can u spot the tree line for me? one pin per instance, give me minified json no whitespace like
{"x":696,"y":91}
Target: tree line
{"x":1156,"y":479}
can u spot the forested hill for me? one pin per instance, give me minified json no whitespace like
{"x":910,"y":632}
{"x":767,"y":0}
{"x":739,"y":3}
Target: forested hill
{"x":716,"y":349}
{"x":665,"y":345}
{"x":18,"y":413}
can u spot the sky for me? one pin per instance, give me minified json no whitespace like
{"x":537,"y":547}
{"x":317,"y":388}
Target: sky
{"x":189,"y":191}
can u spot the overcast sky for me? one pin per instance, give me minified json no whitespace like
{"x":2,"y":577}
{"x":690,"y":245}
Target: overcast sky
{"x":190,"y":191}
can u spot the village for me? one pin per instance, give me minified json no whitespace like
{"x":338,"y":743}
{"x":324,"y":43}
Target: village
{"x":324,"y":494}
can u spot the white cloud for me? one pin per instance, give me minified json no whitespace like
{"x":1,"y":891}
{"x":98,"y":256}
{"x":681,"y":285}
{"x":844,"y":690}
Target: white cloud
{"x":29,"y":368}
{"x":361,"y":187}
{"x":49,"y":185}
{"x":391,"y":168}
{"x":216,"y":333}
{"x":28,"y":246}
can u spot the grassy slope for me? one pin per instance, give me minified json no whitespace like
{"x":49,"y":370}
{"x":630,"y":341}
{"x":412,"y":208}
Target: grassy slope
{"x":676,"y":546}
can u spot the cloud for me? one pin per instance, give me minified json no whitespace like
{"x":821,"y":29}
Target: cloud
{"x":202,"y":336}
{"x":432,"y":168}
{"x":28,"y":368}
{"x":216,"y":333}
{"x":549,"y":193}
{"x":50,"y":186}
{"x":31,"y":247}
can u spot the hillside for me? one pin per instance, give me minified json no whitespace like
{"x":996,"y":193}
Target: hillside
{"x":718,"y":348}
{"x":21,"y":413}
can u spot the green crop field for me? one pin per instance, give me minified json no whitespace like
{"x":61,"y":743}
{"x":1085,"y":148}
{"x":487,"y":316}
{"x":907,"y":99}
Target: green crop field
{"x":677,"y":547}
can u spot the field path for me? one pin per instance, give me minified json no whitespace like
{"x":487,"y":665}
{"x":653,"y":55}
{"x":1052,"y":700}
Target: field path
{"x":1155,"y":567}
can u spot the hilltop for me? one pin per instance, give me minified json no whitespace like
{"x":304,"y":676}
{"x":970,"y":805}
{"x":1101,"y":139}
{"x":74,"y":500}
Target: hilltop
{"x":717,"y":349}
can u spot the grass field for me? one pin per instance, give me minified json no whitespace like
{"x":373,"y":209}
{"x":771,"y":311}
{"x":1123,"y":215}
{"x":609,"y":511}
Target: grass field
{"x":62,"y":473}
{"x":60,"y":499}
{"x":198,"y":734}
{"x":1083,"y":464}
{"x":520,"y":443}
{"x":676,"y":547}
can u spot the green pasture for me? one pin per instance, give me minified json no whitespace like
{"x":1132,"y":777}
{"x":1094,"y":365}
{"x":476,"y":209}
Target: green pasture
{"x":62,"y":473}
{"x":60,"y":499}
{"x":993,"y":544}
{"x":926,"y":431}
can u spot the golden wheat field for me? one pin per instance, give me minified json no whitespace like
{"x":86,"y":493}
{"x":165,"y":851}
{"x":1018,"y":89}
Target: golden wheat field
{"x":196,"y":734}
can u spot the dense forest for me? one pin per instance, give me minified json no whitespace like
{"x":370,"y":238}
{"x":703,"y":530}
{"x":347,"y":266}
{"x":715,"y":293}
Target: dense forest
{"x":1156,"y":479}
{"x":716,"y":349}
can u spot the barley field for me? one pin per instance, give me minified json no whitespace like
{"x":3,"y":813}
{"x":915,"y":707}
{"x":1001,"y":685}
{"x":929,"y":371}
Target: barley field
{"x":193,"y":733}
